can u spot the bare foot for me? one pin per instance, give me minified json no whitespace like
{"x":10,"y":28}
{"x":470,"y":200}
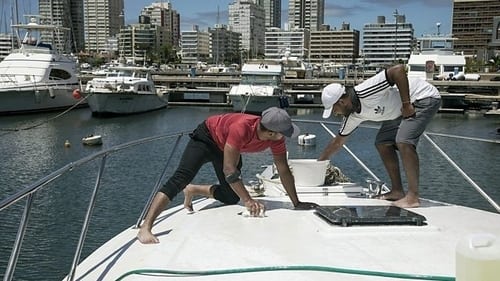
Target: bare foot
{"x":391,"y":196}
{"x":146,"y":237}
{"x":408,"y":202}
{"x":188,"y":199}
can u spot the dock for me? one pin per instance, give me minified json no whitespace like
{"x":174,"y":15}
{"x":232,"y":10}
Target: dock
{"x":212,"y":89}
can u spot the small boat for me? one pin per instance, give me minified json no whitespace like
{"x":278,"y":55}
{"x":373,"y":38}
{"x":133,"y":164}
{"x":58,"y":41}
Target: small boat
{"x":92,"y":140}
{"x":37,"y":77}
{"x":260,"y":88}
{"x":125,"y":90}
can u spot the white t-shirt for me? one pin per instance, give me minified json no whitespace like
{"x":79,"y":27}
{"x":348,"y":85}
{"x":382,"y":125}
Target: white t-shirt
{"x":380,"y":101}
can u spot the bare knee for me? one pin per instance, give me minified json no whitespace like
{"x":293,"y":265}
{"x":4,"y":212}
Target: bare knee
{"x":405,"y":147}
{"x":385,"y":147}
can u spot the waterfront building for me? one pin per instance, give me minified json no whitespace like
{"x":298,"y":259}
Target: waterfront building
{"x":67,"y":14}
{"x":295,"y":42}
{"x":473,"y":25}
{"x":495,"y":38}
{"x":338,"y":47}
{"x":195,"y":46}
{"x":162,"y":14}
{"x":272,"y":9}
{"x":308,"y":14}
{"x":103,"y":19}
{"x":387,"y":43}
{"x":138,"y":42}
{"x":224,"y":45}
{"x":248,"y":19}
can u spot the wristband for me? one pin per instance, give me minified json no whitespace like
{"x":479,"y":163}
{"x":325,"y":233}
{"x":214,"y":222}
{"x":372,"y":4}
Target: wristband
{"x":234,"y":177}
{"x":406,"y":102}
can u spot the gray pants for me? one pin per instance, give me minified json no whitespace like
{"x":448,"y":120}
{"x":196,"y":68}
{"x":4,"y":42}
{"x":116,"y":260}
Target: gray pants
{"x":409,"y":130}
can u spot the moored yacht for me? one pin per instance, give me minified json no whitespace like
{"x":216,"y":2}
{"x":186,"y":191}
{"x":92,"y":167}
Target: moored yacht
{"x":260,"y":88}
{"x":36,"y":76}
{"x":125,"y":90}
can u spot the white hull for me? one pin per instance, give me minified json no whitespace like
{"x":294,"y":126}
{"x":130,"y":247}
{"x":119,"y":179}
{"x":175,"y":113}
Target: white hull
{"x":256,"y":104}
{"x":125,"y":103}
{"x":32,"y":100}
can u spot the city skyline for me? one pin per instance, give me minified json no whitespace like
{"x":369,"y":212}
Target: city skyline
{"x":423,"y":14}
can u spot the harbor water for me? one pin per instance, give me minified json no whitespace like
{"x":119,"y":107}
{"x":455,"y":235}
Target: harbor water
{"x":32,"y":146}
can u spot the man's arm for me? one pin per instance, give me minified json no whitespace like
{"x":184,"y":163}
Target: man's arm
{"x":233,"y":177}
{"x":397,"y":75}
{"x":333,"y":147}
{"x":288,"y":182}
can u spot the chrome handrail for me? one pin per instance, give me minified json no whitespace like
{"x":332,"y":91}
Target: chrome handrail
{"x":31,"y":190}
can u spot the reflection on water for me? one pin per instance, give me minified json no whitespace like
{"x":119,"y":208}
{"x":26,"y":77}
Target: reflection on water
{"x":130,"y":176}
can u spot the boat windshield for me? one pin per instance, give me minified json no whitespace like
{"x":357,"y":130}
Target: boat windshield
{"x":253,"y":79}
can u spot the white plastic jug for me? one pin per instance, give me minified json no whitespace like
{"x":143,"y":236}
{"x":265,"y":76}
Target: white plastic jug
{"x":478,"y":258}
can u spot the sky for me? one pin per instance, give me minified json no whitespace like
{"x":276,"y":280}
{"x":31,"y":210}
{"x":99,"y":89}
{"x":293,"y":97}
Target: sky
{"x":423,"y":14}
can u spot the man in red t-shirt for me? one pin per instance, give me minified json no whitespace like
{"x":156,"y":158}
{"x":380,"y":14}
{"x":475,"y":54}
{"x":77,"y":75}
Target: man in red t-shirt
{"x":221,"y":139}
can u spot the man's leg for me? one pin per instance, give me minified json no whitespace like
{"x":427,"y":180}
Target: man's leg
{"x":407,"y":139}
{"x":192,"y":190}
{"x":410,"y":161}
{"x":389,"y":156}
{"x":385,"y":143}
{"x":159,"y":203}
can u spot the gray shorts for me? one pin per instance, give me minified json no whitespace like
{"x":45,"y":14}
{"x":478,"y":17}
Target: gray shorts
{"x":410,"y":129}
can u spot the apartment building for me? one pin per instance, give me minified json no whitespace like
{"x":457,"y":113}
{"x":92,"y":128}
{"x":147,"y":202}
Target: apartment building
{"x":248,"y":19}
{"x":224,"y":45}
{"x":102,"y":19}
{"x":308,"y":14}
{"x":67,"y":14}
{"x":162,"y":14}
{"x":294,"y":43}
{"x":338,"y":47}
{"x":139,"y":42}
{"x":473,"y":25}
{"x":387,"y":43}
{"x":195,"y":46}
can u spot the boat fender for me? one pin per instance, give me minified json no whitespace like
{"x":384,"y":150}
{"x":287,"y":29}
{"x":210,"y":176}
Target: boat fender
{"x":76,"y":94}
{"x":38,"y":97}
{"x":51,"y":93}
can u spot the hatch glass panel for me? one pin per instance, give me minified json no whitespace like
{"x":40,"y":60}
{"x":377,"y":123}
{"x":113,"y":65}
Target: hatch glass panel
{"x":369,"y":215}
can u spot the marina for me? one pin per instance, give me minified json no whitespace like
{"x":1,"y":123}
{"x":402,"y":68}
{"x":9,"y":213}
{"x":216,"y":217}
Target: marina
{"x":210,"y":88}
{"x":86,"y":146}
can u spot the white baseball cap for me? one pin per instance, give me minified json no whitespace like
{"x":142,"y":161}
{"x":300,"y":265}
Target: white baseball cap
{"x":330,"y":95}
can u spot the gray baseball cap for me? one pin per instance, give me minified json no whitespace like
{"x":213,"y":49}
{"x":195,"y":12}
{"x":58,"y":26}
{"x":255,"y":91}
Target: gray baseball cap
{"x":278,"y":120}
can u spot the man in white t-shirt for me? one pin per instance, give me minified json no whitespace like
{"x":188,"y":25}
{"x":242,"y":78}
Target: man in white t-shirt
{"x":403,"y":106}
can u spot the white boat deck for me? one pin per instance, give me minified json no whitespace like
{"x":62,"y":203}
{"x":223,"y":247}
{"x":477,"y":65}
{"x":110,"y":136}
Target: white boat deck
{"x":218,"y":237}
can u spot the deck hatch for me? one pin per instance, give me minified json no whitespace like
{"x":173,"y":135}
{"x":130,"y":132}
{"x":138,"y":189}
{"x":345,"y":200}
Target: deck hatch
{"x":369,"y":215}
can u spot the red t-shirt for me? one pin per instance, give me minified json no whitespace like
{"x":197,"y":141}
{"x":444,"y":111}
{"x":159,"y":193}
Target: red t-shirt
{"x":240,"y":131}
